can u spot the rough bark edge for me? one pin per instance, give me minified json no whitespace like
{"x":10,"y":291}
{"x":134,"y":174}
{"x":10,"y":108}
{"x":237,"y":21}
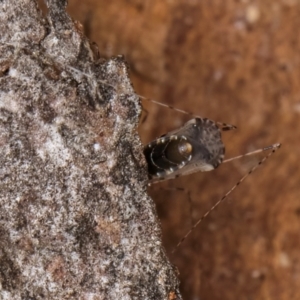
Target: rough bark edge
{"x":75,"y":219}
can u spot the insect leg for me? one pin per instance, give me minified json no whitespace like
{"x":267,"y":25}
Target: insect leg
{"x":274,"y":148}
{"x":252,"y":152}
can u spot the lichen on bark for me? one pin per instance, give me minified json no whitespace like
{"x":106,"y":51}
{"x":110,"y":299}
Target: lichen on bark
{"x":75,"y":219}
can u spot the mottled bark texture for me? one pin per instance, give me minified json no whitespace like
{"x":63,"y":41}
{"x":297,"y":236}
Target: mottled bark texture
{"x":75,"y":220}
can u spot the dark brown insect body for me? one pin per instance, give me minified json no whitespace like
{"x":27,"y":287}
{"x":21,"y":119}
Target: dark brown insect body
{"x":196,"y":146}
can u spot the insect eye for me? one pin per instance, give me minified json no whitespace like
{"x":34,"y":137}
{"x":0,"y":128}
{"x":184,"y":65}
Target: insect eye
{"x":185,"y":148}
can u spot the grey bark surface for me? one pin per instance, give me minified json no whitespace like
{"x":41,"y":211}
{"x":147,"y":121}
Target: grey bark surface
{"x":75,"y":218}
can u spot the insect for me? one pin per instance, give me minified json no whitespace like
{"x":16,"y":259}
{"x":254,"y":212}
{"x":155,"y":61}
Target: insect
{"x":197,"y":146}
{"x":179,"y":152}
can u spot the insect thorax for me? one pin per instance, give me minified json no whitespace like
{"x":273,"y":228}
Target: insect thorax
{"x":196,"y":146}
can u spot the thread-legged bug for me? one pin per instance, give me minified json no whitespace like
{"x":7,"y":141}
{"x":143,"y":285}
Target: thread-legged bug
{"x":195,"y":147}
{"x":161,"y":153}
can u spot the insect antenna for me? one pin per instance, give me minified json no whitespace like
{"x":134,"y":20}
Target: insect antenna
{"x":223,"y":126}
{"x":274,"y":147}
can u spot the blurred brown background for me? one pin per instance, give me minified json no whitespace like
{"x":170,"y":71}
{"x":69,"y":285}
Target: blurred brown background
{"x":231,"y":61}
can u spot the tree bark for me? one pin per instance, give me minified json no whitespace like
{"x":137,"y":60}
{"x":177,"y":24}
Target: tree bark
{"x":75,"y":219}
